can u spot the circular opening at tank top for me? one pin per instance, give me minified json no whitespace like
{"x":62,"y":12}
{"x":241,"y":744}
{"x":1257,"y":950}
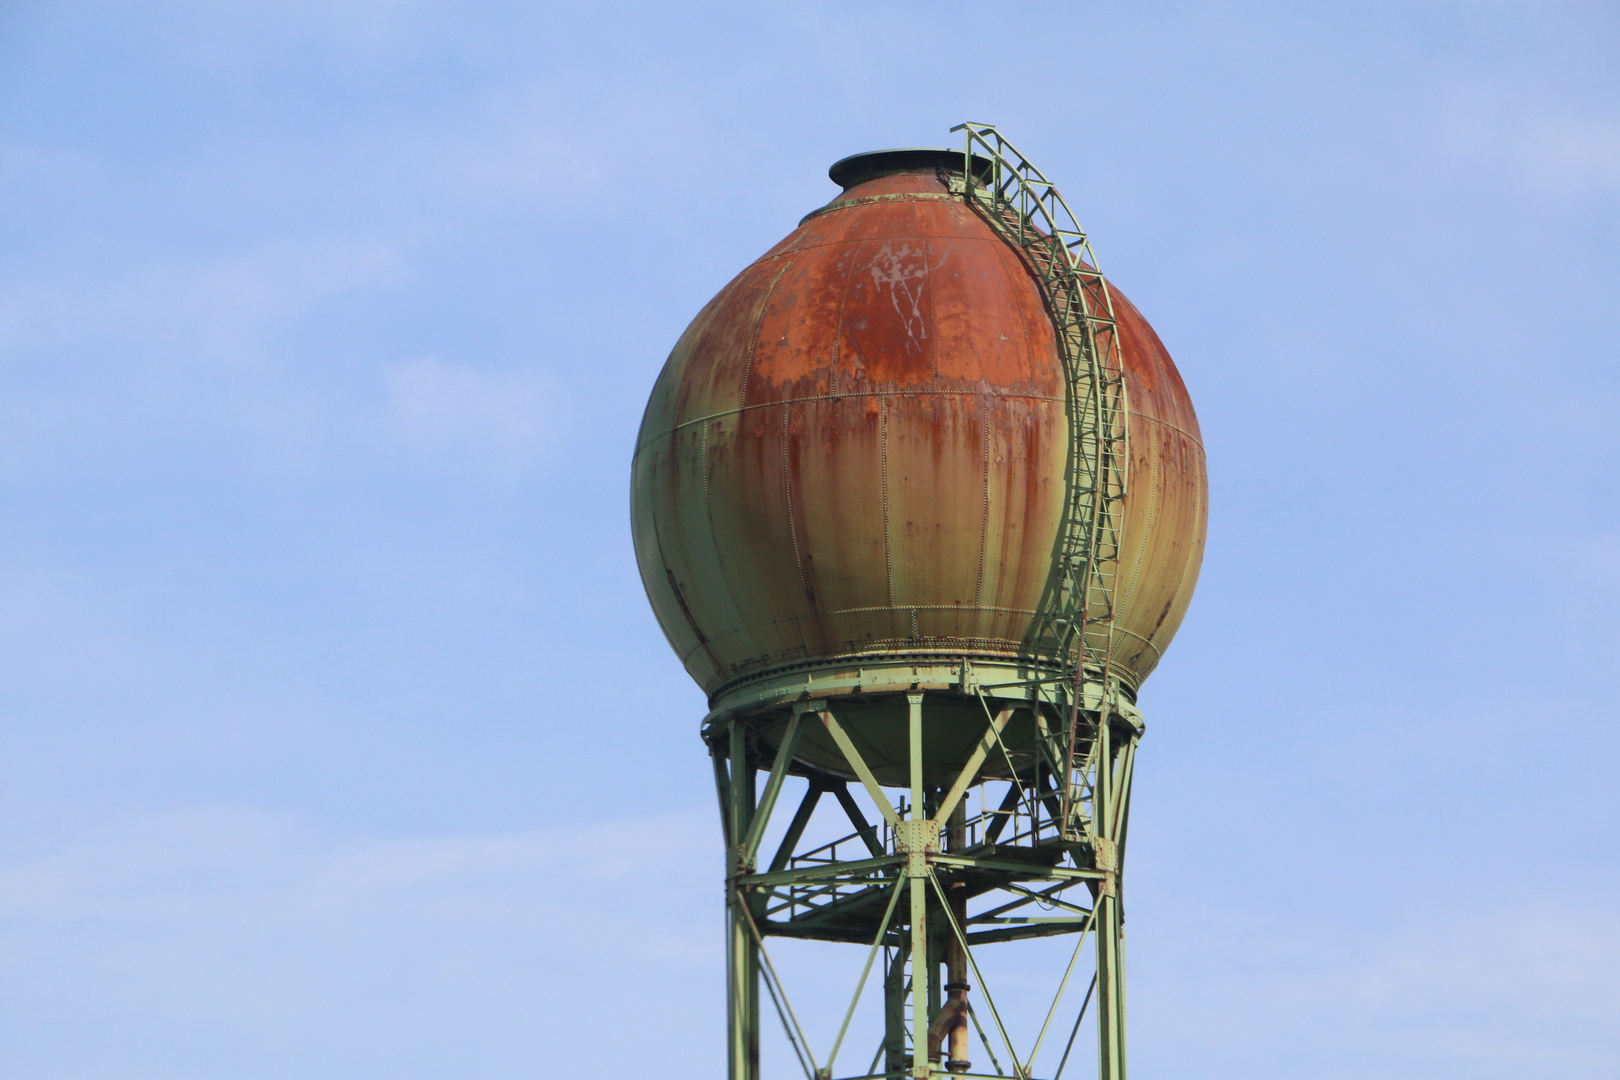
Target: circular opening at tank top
{"x":859,"y":168}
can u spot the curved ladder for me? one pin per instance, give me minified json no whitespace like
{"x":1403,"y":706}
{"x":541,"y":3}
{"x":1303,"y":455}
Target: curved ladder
{"x":1076,"y":621}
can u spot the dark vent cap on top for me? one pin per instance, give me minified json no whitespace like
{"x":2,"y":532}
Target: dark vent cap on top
{"x":859,"y":168}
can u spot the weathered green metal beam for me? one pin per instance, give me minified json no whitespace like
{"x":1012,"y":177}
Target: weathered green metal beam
{"x":795,"y":829}
{"x":773,"y":787}
{"x":1023,"y":933}
{"x":863,"y":828}
{"x":1046,"y":896}
{"x":1030,"y":871}
{"x":970,"y":770}
{"x":1029,"y":896}
{"x":830,"y":872}
{"x":858,"y":763}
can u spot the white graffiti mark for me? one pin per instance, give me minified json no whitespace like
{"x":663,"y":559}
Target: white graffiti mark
{"x":899,"y":270}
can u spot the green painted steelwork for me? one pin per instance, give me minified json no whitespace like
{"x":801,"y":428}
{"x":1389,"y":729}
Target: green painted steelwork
{"x":959,"y":863}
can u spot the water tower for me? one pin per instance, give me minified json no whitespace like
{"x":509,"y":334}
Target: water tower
{"x":919,"y":500}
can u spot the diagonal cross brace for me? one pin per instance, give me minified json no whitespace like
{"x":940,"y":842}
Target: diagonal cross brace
{"x":991,"y":736}
{"x":858,"y":763}
{"x":773,"y":788}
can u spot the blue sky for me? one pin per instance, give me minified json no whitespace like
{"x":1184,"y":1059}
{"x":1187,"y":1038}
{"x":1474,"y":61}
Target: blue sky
{"x":338,"y":739}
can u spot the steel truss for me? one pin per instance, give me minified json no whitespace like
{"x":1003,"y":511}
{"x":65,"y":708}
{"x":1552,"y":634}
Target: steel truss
{"x":930,"y":879}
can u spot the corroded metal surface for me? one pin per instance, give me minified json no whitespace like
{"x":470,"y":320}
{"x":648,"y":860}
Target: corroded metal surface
{"x":857,"y":450}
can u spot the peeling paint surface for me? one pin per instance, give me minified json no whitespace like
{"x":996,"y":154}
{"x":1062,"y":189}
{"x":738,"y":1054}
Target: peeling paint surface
{"x":857,"y":448}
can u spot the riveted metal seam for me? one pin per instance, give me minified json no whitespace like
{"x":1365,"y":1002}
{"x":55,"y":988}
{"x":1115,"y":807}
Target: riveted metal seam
{"x":838,"y":330}
{"x":759,"y":325}
{"x":1183,"y":432}
{"x":854,"y":394}
{"x":701,"y":639}
{"x":1011,"y":647}
{"x":1008,"y":647}
{"x":703,"y":460}
{"x":1122,"y":604}
{"x":708,"y":507}
{"x":1012,"y":269}
{"x":793,"y":532}
{"x":984,"y":515}
{"x":683,"y":388}
{"x":883,"y":466}
{"x":681,"y":393}
{"x":1200,"y":506}
{"x":708,"y":513}
{"x":784,"y":253}
{"x":1144,"y":417}
{"x":928,"y":324}
{"x":867,"y":200}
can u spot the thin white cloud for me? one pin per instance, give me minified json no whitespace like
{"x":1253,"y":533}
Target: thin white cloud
{"x":261,"y":926}
{"x":440,"y":405}
{"x":1571,"y":154}
{"x":242,"y":865}
{"x":215,"y":309}
{"x":1550,"y":147}
{"x":527,"y":159}
{"x":1500,"y":990}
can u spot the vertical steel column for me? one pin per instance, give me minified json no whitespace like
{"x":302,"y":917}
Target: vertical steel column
{"x":1106,"y":814}
{"x":742,"y":953}
{"x":917,"y":872}
{"x":955,"y":1020}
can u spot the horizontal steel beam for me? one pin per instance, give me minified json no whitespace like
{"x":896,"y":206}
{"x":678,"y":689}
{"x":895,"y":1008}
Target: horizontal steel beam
{"x":830,"y":872}
{"x":1020,"y":933}
{"x":1031,"y":871}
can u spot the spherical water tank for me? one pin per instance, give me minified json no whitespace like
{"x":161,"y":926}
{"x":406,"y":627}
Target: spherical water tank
{"x":855,"y":454}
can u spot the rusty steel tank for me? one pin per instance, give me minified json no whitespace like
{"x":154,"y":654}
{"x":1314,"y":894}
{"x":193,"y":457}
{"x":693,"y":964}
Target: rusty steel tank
{"x":850,"y":471}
